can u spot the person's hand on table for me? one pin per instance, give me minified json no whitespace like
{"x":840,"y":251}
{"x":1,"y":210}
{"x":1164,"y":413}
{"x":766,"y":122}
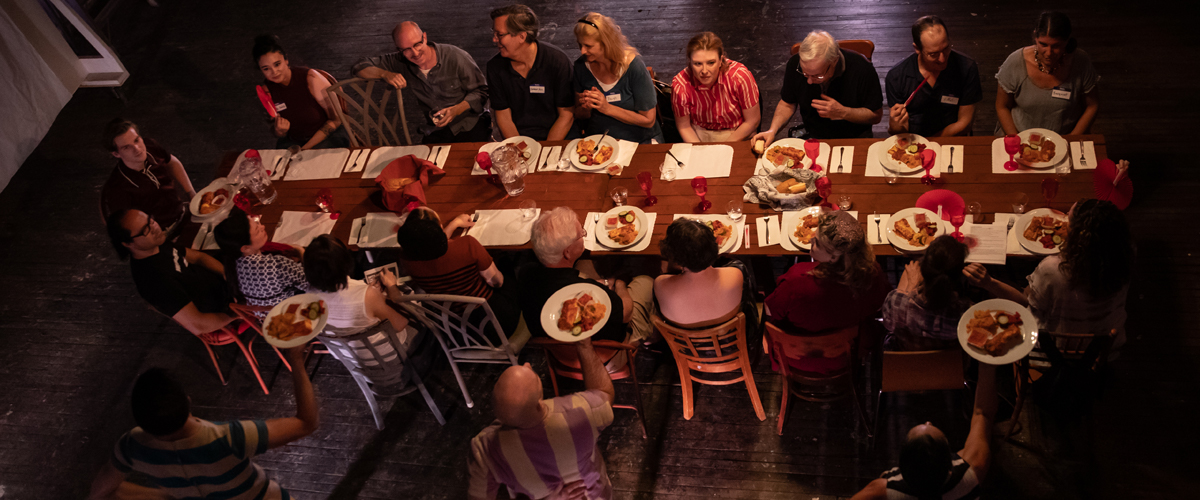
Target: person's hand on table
{"x":828,"y":107}
{"x":899,"y":115}
{"x":395,"y":80}
{"x":282,"y":125}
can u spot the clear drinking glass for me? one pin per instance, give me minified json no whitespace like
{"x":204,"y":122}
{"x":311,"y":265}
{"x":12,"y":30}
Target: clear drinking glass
{"x":528,"y":209}
{"x":976,"y":211}
{"x":1019,"y":200}
{"x":890,"y":176}
{"x":844,"y":202}
{"x":734,"y":209}
{"x":619,"y":195}
{"x":668,"y":172}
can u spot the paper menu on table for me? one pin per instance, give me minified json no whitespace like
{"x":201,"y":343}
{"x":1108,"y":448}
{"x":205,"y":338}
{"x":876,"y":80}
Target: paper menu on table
{"x":986,"y":243}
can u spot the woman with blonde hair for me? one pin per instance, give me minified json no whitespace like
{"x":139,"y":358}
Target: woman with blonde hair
{"x":715,"y":99}
{"x":613,"y":90}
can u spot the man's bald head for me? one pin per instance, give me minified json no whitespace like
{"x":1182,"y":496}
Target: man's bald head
{"x":517,"y":397}
{"x":406,"y":27}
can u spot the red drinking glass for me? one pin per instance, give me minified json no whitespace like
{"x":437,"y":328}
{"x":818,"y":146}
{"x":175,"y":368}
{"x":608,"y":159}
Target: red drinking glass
{"x":957,"y":221}
{"x":812,"y":148}
{"x":1012,"y":146}
{"x":646,"y":181}
{"x":1049,"y":189}
{"x":325,"y":203}
{"x":700,"y":186}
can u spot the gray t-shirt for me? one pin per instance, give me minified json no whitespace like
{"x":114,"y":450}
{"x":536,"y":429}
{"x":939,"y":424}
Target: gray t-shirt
{"x":455,"y":78}
{"x":1037,"y":107}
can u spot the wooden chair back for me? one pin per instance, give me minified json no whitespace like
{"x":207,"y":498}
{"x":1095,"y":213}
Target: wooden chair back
{"x":715,"y":350}
{"x":864,"y":47}
{"x":834,"y":344}
{"x":905,"y":371}
{"x":371,"y":116}
{"x":620,"y":359}
{"x":1067,"y":350}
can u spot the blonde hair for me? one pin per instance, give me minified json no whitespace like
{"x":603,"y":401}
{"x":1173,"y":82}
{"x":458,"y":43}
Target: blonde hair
{"x":608,"y":34}
{"x":819,"y":43}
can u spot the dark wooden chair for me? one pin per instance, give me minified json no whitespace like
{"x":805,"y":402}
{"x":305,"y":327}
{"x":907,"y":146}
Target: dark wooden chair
{"x":836,"y":344}
{"x":619,"y":358}
{"x":716,"y":350}
{"x":1081,"y":352}
{"x":910,"y":371}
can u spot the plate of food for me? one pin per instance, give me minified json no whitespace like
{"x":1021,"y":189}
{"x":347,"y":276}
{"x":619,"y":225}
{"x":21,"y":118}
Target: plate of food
{"x":788,"y":153}
{"x":213,"y":200}
{"x":997,"y":331}
{"x":295,"y":321}
{"x":1041,"y":148}
{"x":621,"y":227}
{"x":1043,"y":231}
{"x":529,"y":148}
{"x":901,"y":153}
{"x":913,"y":229}
{"x":586,"y":156}
{"x":576,"y":312}
{"x":805,"y":227}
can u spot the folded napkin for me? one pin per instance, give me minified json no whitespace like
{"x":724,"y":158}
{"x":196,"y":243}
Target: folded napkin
{"x":876,"y":151}
{"x":1086,"y":149}
{"x":945,"y":157}
{"x":382,"y":157}
{"x":376,"y":230}
{"x":841,"y":155}
{"x":1014,"y":247}
{"x":625,"y":150}
{"x":738,"y":227}
{"x":877,"y":233}
{"x":762,"y":189}
{"x":407,"y":167}
{"x":590,"y":242}
{"x":497,"y":228}
{"x":299,"y":228}
{"x":317,"y":164}
{"x":768,"y":230}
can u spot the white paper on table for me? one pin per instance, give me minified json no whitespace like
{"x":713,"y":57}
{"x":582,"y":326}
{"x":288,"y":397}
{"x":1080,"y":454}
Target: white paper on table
{"x":553,"y":155}
{"x":760,"y":226}
{"x":380,"y":230}
{"x":540,"y":161}
{"x":269,"y":158}
{"x":738,"y":226}
{"x":841,"y":155}
{"x":875,"y":169}
{"x":682,"y":152}
{"x":945,"y":157}
{"x":317,"y":164}
{"x":497,"y":228}
{"x":299,"y":228}
{"x":1013,"y":246}
{"x":709,"y":161}
{"x":773,"y":232}
{"x":358,"y":160}
{"x":443,"y":153}
{"x":989,"y":245}
{"x":590,"y":243}
{"x":626,"y":150}
{"x":381,"y":157}
{"x":876,"y":234}
{"x":1088,"y":150}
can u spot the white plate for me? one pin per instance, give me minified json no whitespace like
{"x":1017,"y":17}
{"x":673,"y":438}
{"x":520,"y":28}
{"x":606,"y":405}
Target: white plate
{"x":639,"y":223}
{"x":1023,"y":222}
{"x":553,"y":308}
{"x":1028,"y":329}
{"x":791,"y":228}
{"x":893,"y":165}
{"x":533,"y":147}
{"x":608,"y":141}
{"x":302,"y":299}
{"x":1060,"y":147}
{"x":218,"y":183}
{"x":791,"y":142}
{"x":910,"y":213}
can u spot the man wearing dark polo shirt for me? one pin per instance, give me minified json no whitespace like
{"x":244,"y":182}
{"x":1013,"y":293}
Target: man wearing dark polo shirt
{"x":144,"y":177}
{"x":185,"y":284}
{"x":945,"y":104}
{"x":530,"y":80}
{"x":836,"y":91}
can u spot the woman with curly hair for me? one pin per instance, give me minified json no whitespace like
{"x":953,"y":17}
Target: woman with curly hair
{"x":922,"y":313}
{"x":613,"y":90}
{"x":1083,"y":288}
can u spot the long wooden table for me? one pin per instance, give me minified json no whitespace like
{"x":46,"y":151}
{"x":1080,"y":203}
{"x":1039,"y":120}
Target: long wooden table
{"x":459,"y":192}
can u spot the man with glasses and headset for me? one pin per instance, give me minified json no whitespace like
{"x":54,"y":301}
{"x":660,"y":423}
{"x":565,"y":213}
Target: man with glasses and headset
{"x":836,"y":91}
{"x":944,"y":105}
{"x":445,"y":79}
{"x":530,"y":80}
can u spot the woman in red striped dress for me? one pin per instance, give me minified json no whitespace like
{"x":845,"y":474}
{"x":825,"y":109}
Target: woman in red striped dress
{"x":715,"y":99}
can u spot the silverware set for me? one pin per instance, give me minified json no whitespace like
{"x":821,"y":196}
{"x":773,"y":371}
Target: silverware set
{"x":674,"y":158}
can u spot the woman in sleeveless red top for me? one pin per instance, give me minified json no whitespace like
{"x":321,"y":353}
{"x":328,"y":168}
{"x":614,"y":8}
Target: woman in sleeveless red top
{"x":304,"y":114}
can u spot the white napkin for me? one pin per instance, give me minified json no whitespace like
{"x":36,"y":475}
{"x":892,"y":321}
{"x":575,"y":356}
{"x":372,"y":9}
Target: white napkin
{"x":761,"y":225}
{"x":317,"y":164}
{"x":590,"y":242}
{"x":205,"y":239}
{"x":358,"y":160}
{"x":299,"y":228}
{"x":709,"y":161}
{"x":874,"y":236}
{"x":841,"y":155}
{"x":875,"y":169}
{"x":682,"y":151}
{"x":554,"y":154}
{"x":945,"y":157}
{"x":541,"y":160}
{"x":999,"y":157}
{"x":1014,"y":246}
{"x":1088,"y":150}
{"x":497,"y":228}
{"x":738,"y":227}
{"x":381,"y":157}
{"x":269,"y":157}
{"x":380,"y":230}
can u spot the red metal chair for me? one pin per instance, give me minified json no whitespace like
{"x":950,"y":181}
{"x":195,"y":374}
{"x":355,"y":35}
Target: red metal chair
{"x":619,"y":358}
{"x":228,"y":334}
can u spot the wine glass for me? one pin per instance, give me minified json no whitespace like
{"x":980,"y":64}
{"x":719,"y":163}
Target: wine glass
{"x":812,"y":149}
{"x":957,"y":220}
{"x":646,"y":181}
{"x":734,"y":209}
{"x":700,"y":186}
{"x":325,"y":203}
{"x":619,"y":195}
{"x":668,"y":172}
{"x":976,"y":211}
{"x":528,"y":209}
{"x":1012,"y":146}
{"x":1018,"y":202}
{"x":1049,"y":189}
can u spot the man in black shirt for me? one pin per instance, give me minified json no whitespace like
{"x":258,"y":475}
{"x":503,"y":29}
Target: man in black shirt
{"x":945,"y":104}
{"x":836,"y":90}
{"x":185,"y":284}
{"x":530,"y":80}
{"x":558,"y":244}
{"x":144,"y":177}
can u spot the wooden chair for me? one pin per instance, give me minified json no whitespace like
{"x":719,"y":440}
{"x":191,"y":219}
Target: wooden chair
{"x":368,"y":118}
{"x":864,"y":47}
{"x":379,"y":363}
{"x":836,"y":344}
{"x":1085,"y":352}
{"x":908,"y":371}
{"x":718,"y":349}
{"x":463,"y":340}
{"x":619,"y":358}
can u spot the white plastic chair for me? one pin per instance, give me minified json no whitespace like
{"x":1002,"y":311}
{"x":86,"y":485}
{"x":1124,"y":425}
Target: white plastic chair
{"x":379,"y":363}
{"x":463,"y":341}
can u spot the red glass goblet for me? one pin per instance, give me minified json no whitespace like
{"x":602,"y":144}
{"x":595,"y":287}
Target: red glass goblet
{"x":1012,"y":146}
{"x":812,"y":148}
{"x":957,"y":221}
{"x":325,"y":203}
{"x":700,"y":186}
{"x":646,"y":181}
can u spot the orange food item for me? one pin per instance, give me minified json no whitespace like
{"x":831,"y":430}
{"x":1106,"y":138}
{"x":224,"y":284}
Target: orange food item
{"x":580,"y":314}
{"x":995,"y":332}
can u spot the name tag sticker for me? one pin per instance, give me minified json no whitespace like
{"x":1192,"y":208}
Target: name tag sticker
{"x":612,"y":97}
{"x":537,"y":89}
{"x":1060,"y":93}
{"x":280,"y":106}
{"x":949,"y":99}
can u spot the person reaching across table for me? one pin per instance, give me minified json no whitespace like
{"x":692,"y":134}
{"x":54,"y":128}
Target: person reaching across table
{"x":262,"y":275}
{"x":530,"y":80}
{"x":447,"y":83}
{"x":305,"y":116}
{"x":922,"y":313}
{"x":836,"y":91}
{"x":613,"y":90}
{"x":701,"y":295}
{"x":715,"y":99}
{"x":944,"y":105}
{"x":1050,"y":84}
{"x":144,"y":177}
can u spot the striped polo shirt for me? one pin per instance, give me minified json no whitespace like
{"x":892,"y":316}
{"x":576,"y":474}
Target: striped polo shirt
{"x":537,"y":461}
{"x":961,"y":485}
{"x":212,"y":463}
{"x":456,"y":272}
{"x":718,"y":107}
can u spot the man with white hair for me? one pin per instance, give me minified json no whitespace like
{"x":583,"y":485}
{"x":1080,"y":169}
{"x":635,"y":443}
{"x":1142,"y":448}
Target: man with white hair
{"x":558,"y":244}
{"x":836,"y":90}
{"x":539,"y":448}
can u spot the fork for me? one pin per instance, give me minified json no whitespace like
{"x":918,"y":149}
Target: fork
{"x":601,"y":141}
{"x":1082,"y":159}
{"x":878,"y":228}
{"x":841,"y":155}
{"x":674,"y":158}
{"x":951,"y":167}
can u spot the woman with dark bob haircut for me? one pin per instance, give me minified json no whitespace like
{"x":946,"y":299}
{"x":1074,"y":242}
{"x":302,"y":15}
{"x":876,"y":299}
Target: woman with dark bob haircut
{"x":700,"y":295}
{"x":351,"y":303}
{"x":260,"y":272}
{"x":922,"y":313}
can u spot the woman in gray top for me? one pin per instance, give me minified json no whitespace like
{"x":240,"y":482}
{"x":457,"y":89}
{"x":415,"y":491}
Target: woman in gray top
{"x":1049,"y":84}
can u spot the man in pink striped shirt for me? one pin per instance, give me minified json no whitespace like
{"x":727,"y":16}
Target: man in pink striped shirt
{"x":714,"y":99}
{"x":545,"y":448}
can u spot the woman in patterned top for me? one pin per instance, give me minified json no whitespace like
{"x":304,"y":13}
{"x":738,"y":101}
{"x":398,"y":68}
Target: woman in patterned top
{"x":922,"y":313}
{"x":259,"y":272}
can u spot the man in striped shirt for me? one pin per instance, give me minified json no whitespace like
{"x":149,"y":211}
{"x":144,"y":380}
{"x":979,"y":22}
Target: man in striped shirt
{"x":545,"y":448}
{"x":186,"y":457}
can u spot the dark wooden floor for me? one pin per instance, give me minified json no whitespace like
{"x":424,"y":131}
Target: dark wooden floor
{"x":75,"y":335}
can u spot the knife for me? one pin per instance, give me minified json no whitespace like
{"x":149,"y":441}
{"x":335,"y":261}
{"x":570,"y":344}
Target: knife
{"x":358,"y":236}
